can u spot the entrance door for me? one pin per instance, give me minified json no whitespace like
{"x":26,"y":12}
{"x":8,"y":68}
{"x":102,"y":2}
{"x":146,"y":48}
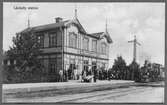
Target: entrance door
{"x":71,"y":71}
{"x":85,"y":67}
{"x":94,"y":66}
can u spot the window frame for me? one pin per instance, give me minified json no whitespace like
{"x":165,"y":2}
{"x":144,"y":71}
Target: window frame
{"x":86,"y":65}
{"x":94,"y":48}
{"x":40,"y":40}
{"x":86,"y":44}
{"x":72,"y":40}
{"x":104,"y":48}
{"x":52,"y":39}
{"x":52,"y":65}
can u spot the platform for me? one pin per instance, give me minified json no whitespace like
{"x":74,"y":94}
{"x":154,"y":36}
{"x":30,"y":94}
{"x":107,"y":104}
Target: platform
{"x":72,"y":84}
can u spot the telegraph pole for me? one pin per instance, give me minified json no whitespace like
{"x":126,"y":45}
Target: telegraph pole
{"x":135,"y":42}
{"x":28,"y":21}
{"x":134,"y":53}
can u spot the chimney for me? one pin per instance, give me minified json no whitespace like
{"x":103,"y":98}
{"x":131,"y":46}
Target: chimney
{"x":58,"y":19}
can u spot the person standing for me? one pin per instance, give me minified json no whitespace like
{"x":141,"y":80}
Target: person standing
{"x":61,"y":75}
{"x":84,"y":76}
{"x":95,"y":74}
{"x":75,"y":73}
{"x":65,"y":75}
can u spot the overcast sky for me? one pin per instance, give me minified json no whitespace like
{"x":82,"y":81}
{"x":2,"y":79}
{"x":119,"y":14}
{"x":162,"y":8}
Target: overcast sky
{"x":145,"y":20}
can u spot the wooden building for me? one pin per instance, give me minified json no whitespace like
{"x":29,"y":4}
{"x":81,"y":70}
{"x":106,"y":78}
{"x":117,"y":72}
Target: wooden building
{"x":66,"y":45}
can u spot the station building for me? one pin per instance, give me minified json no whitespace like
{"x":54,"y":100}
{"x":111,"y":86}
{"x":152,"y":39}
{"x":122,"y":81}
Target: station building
{"x":66,"y":45}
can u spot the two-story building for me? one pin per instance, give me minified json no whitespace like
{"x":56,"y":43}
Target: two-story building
{"x":66,"y":45}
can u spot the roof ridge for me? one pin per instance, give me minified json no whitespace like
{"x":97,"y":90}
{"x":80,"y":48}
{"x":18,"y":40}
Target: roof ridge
{"x":49,"y":24}
{"x":44,"y":25}
{"x":96,"y":32}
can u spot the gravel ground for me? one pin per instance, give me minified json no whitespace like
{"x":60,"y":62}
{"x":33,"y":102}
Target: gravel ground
{"x":119,"y":95}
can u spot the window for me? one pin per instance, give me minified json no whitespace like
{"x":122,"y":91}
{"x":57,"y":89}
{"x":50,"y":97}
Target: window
{"x":104,"y":48}
{"x":52,"y":65}
{"x":52,"y":40}
{"x":94,"y":65}
{"x":86,"y":65}
{"x":86,"y":44}
{"x":94,"y":45}
{"x":72,"y":61}
{"x":73,"y":40}
{"x":59,"y":63}
{"x":41,"y":41}
{"x":103,"y":65}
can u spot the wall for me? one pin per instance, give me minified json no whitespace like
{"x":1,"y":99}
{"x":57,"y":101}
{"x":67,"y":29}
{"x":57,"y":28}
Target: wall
{"x":47,"y":48}
{"x":76,"y":53}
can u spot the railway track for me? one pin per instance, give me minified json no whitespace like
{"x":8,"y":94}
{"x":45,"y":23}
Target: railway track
{"x":94,"y":97}
{"x":85,"y":95}
{"x":89,"y":97}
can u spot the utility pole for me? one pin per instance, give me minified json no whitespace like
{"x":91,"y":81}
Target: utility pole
{"x":134,"y":53}
{"x":135,"y":42}
{"x":28,"y":21}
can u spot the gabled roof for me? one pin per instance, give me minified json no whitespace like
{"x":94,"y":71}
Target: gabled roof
{"x":100,"y":35}
{"x":97,"y":34}
{"x":75,"y":21}
{"x":55,"y":25}
{"x":44,"y":27}
{"x":79,"y":25}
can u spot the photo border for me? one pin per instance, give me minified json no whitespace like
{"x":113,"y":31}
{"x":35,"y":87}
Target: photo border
{"x":1,"y":45}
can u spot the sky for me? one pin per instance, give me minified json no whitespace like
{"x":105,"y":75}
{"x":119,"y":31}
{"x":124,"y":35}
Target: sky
{"x":124,"y":20}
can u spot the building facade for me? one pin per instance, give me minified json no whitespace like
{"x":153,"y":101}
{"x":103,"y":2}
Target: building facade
{"x":66,"y":45}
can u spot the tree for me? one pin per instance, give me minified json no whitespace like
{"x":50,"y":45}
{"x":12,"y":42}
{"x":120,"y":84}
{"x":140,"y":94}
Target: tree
{"x":25,"y":51}
{"x":119,"y":67}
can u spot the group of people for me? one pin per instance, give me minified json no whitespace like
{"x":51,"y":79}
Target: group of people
{"x":65,"y":75}
{"x":87,"y":75}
